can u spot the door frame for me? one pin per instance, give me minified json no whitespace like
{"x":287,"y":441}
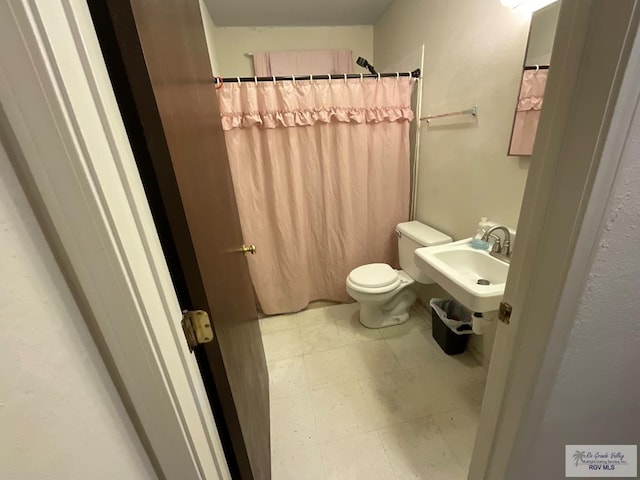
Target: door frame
{"x":59,"y":104}
{"x":593,"y":90}
{"x":74,"y":155}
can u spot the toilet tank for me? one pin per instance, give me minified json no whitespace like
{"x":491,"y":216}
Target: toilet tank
{"x":413,"y":235}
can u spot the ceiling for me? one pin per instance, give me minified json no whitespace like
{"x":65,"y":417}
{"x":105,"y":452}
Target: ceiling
{"x":255,"y":13}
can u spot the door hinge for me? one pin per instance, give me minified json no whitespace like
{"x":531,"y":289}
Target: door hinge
{"x":504,"y":314}
{"x":197,"y":328}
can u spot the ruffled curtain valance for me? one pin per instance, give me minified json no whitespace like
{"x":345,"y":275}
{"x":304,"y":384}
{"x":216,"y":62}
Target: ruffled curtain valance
{"x":532,"y":90}
{"x":305,"y":103}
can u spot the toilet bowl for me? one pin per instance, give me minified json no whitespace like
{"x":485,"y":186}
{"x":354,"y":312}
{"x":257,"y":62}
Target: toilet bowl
{"x":385,"y":304}
{"x":385,"y":294}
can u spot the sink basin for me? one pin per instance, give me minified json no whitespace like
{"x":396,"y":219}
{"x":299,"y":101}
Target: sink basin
{"x":457,"y":267}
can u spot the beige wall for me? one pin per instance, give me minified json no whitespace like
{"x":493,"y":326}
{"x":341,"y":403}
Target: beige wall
{"x":233,"y":42}
{"x":209,"y":32}
{"x":543,"y":32}
{"x":474,"y":51}
{"x":60,"y":414}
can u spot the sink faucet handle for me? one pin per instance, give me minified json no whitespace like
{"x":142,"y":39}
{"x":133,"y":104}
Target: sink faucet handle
{"x":497,"y":243}
{"x":506,"y":248}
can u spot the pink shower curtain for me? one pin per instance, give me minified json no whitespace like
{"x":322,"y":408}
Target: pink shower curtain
{"x":302,"y":62}
{"x":530,"y":102}
{"x":321,"y":175}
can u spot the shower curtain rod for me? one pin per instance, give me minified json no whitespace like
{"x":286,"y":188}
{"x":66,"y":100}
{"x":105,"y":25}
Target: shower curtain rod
{"x":536,"y":67}
{"x":333,"y":76}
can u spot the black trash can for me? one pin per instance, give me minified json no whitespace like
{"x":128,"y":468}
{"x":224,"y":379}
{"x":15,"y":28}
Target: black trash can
{"x":451,"y":325}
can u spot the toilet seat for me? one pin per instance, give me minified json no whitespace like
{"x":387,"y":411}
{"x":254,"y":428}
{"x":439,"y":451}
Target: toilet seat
{"x":374,"y":278}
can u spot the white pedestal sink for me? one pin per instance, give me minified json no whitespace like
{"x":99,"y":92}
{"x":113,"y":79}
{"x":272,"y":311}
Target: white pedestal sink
{"x":457,"y":267}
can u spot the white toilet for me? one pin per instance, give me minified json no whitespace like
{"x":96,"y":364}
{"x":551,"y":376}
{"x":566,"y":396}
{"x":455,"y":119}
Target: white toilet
{"x":385,"y":295}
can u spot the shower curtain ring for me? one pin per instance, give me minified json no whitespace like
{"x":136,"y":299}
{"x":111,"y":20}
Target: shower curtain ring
{"x":345,"y":78}
{"x":378,"y":76}
{"x":311,"y":78}
{"x":537,"y":67}
{"x":397,"y":75}
{"x":293,"y":78}
{"x":361,"y":77}
{"x":238,"y":80}
{"x":274,"y":79}
{"x":255,"y":80}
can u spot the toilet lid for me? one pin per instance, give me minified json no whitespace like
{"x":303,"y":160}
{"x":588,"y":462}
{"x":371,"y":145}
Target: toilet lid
{"x":373,"y":275}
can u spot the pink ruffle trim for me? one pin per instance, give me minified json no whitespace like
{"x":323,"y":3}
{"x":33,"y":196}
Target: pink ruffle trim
{"x":530,"y":103}
{"x":274,"y":119}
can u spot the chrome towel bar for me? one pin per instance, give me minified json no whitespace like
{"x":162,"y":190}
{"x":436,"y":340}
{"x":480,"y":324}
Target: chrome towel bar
{"x":470,"y":111}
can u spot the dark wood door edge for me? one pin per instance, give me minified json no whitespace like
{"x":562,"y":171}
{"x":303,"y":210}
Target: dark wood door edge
{"x":118,"y":39}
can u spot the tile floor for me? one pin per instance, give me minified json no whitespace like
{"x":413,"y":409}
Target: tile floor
{"x":352,"y":403}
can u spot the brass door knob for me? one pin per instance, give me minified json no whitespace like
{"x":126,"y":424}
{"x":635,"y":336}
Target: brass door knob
{"x":247,"y":249}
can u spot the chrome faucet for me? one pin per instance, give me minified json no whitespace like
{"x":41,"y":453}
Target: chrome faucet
{"x":501,"y":249}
